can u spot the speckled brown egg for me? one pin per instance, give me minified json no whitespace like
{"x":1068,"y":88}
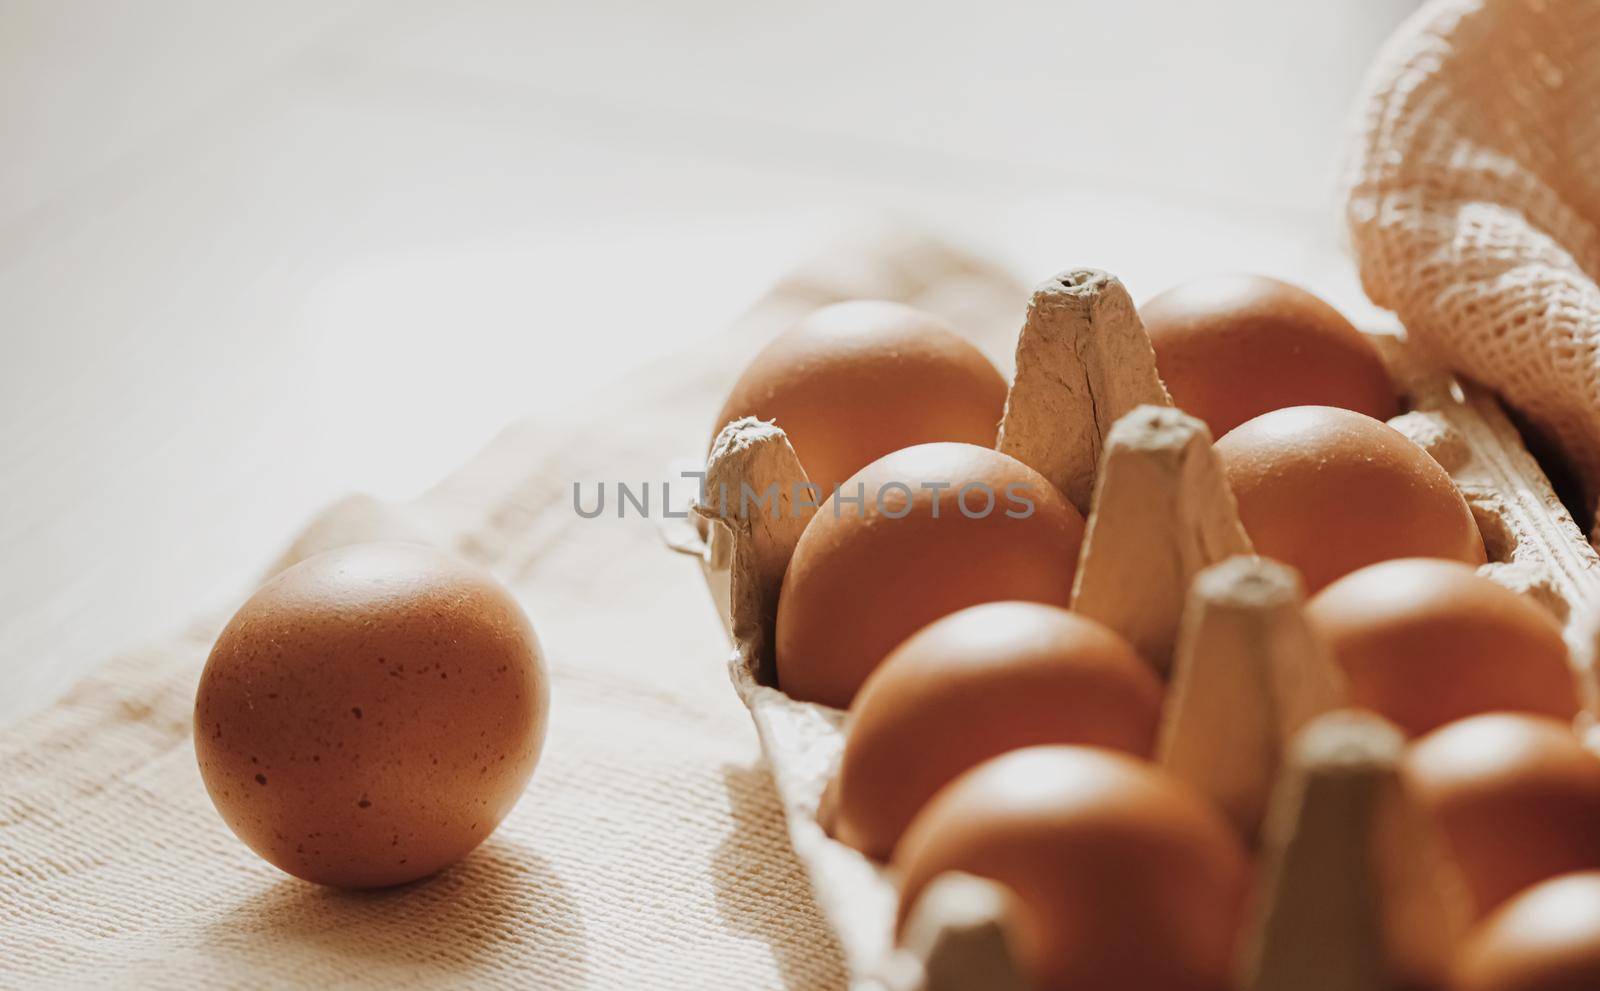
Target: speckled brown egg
{"x":1233,"y":347}
{"x":938,"y":527}
{"x":1517,"y":798}
{"x":1329,"y":491}
{"x":371,"y":714}
{"x":974,"y":685}
{"x":1545,"y":939}
{"x":1425,"y":642}
{"x":855,"y":381}
{"x":1124,"y":877}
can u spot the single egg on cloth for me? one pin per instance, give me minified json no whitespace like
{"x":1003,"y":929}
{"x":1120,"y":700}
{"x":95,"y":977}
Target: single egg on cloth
{"x":371,"y":714}
{"x":978,"y":683}
{"x":1233,"y":347}
{"x":936,"y":528}
{"x":1328,"y":491}
{"x":1545,"y":939}
{"x":1425,"y":642}
{"x":1123,"y":877}
{"x":1516,"y":797}
{"x":855,"y":381}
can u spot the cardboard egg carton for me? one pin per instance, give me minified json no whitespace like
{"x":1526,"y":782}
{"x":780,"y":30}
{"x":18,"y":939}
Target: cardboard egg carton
{"x":1353,"y":893}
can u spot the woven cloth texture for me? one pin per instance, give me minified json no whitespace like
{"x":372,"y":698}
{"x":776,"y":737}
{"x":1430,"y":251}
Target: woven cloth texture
{"x":649,"y":851}
{"x":1474,"y":200}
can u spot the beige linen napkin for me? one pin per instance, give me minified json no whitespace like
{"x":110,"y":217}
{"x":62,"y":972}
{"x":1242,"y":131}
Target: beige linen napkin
{"x":649,"y":851}
{"x":1475,"y":198}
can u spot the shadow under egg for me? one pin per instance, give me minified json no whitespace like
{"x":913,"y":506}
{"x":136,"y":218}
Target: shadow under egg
{"x":503,"y":909}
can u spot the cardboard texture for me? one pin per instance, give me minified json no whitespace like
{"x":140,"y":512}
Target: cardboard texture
{"x":1250,"y":717}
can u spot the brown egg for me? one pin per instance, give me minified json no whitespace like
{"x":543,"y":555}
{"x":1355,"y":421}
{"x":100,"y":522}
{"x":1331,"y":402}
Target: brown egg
{"x":1516,"y":796}
{"x":1425,"y":642}
{"x":939,"y":527}
{"x":371,"y":714}
{"x":974,"y":685}
{"x":855,"y":381}
{"x":1234,"y":347}
{"x":1329,"y":491}
{"x":1545,"y":939}
{"x":1125,"y":878}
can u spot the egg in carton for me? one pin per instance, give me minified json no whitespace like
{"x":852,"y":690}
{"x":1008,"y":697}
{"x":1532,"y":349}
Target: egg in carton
{"x":1353,"y":891}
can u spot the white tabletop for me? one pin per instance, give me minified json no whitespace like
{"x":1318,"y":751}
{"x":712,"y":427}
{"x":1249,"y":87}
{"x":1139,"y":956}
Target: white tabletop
{"x":253,"y":257}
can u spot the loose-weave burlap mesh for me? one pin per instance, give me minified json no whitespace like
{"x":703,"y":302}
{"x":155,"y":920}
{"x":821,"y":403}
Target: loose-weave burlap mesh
{"x":1474,"y":202}
{"x":650,"y":850}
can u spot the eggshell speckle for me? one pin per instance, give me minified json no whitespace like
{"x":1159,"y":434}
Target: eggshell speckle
{"x":1545,"y":939}
{"x":1517,"y":797}
{"x":1125,"y":878}
{"x":1233,"y":347}
{"x":974,"y":685}
{"x":866,"y":576}
{"x":1328,"y":491}
{"x":1426,"y":642}
{"x":371,"y":714}
{"x":855,"y":381}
